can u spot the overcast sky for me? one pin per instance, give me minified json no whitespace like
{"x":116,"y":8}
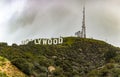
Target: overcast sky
{"x":29,"y":19}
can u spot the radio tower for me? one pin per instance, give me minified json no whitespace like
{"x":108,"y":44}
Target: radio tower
{"x":82,"y":34}
{"x":83,"y":24}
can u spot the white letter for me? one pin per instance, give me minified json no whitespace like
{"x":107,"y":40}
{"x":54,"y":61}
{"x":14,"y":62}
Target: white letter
{"x":27,"y":41}
{"x":23,"y":42}
{"x":44,"y":41}
{"x":55,"y":41}
{"x":60,"y":40}
{"x":37,"y":41}
{"x":49,"y":41}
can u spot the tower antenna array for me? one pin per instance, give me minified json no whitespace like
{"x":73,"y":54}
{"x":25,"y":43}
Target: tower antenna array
{"x":82,"y":33}
{"x":83,"y":24}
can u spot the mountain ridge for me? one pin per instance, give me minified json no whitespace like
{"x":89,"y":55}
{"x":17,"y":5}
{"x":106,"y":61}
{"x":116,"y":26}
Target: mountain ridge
{"x":76,"y":57}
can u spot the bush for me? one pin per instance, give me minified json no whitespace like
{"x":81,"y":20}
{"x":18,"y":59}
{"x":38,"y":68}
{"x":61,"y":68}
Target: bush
{"x":110,"y":55}
{"x":58,"y":72}
{"x":23,"y":65}
{"x":104,"y":72}
{"x":3,"y":74}
{"x":117,"y":59}
{"x":110,"y":66}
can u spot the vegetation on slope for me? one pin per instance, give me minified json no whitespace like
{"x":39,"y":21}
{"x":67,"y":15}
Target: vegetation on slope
{"x":76,"y":57}
{"x":9,"y":70}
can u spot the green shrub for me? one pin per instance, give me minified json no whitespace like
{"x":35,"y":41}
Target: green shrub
{"x":110,"y":66}
{"x":104,"y":72}
{"x":22,"y":64}
{"x":93,"y":73}
{"x":3,"y":74}
{"x":117,"y":59}
{"x":110,"y":55}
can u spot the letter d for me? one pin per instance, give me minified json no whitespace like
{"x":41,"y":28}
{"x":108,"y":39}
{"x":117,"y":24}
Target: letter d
{"x":60,"y":40}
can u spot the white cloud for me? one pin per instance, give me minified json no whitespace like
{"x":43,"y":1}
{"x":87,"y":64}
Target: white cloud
{"x":6,"y":12}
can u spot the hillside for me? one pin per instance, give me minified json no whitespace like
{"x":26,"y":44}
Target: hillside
{"x":76,"y":57}
{"x":9,"y":70}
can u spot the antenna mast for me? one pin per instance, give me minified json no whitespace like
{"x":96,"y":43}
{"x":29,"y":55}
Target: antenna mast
{"x":83,"y":24}
{"x":82,"y":34}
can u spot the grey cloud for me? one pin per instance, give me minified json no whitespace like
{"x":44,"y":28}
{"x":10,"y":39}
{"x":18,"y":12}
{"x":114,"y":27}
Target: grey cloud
{"x":64,"y":19}
{"x":26,"y":19}
{"x":56,"y":15}
{"x":6,"y":1}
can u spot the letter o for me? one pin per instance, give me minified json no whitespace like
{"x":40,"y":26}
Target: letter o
{"x":49,"y":41}
{"x":55,"y":41}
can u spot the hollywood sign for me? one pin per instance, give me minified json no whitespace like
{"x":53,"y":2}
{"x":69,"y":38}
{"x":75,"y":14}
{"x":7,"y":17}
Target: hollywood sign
{"x":42,"y":41}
